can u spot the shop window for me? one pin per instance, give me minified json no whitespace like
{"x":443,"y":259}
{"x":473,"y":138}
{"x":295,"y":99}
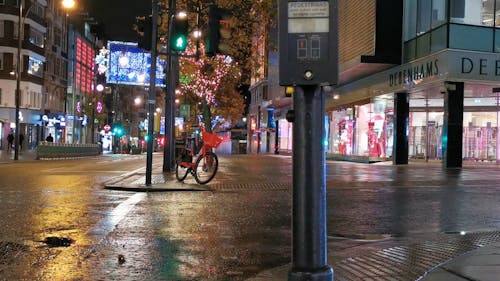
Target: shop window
{"x":410,"y":50}
{"x":471,"y":38}
{"x":424,"y":16}
{"x":438,"y":39}
{"x":497,"y":40}
{"x":423,"y":45}
{"x":410,"y":19}
{"x":438,"y":13}
{"x":497,"y":13}
{"x":488,"y":13}
{"x":472,"y":12}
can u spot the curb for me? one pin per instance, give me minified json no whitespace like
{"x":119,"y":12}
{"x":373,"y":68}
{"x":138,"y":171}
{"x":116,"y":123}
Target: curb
{"x":152,"y":188}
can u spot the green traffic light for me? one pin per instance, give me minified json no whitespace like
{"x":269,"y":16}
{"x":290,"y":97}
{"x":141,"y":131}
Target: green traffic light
{"x":180,"y":30}
{"x":180,"y":43}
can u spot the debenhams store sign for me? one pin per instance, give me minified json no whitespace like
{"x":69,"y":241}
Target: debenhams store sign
{"x":449,"y":65}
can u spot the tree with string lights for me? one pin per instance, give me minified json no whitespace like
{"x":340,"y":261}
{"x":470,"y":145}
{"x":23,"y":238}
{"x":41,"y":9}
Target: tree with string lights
{"x":212,"y":83}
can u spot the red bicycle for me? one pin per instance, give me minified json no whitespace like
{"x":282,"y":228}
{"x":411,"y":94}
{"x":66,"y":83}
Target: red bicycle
{"x":206,"y":164}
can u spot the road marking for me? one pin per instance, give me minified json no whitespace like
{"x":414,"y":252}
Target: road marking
{"x":110,"y":221}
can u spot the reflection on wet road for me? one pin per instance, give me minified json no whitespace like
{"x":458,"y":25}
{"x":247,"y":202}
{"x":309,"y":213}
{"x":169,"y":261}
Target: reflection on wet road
{"x":233,"y":232}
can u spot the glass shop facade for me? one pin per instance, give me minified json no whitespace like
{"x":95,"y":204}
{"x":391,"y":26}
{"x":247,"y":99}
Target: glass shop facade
{"x":449,"y":81}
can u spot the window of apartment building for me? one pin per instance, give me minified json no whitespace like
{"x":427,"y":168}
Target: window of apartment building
{"x":2,"y":2}
{"x":48,"y":34}
{"x":1,"y":60}
{"x":32,"y":98}
{"x":57,"y":67}
{"x":2,"y":32}
{"x":1,"y":100}
{"x":36,"y":37}
{"x":37,"y":9}
{"x":57,"y":36}
{"x":64,"y":67}
{"x":48,"y":67}
{"x":35,"y":67}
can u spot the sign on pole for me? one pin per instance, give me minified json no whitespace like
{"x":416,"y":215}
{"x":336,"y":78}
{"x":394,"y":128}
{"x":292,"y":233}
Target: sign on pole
{"x":308,"y":43}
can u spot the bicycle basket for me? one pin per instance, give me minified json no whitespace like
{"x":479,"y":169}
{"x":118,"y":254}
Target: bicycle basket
{"x":211,"y":140}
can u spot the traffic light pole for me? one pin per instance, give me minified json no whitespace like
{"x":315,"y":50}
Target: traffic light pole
{"x":152,"y":96}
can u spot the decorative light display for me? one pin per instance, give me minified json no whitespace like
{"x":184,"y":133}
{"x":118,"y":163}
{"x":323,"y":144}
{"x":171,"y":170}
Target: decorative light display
{"x":101,"y":60}
{"x":99,"y":107}
{"x":84,"y":72}
{"x":99,"y":87}
{"x":205,"y":76}
{"x":130,"y":65}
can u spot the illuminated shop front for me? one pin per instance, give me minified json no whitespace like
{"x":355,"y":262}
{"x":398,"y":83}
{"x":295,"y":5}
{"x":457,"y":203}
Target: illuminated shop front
{"x":430,"y":87}
{"x":363,"y":130}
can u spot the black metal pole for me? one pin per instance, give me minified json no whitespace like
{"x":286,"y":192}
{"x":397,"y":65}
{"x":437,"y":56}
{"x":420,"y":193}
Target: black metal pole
{"x":151,"y":97}
{"x":20,"y":29}
{"x":167,"y":153}
{"x":309,"y":257}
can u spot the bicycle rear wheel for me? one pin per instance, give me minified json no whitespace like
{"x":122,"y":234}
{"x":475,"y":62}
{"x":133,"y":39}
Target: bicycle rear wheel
{"x":180,"y":171}
{"x":206,"y":168}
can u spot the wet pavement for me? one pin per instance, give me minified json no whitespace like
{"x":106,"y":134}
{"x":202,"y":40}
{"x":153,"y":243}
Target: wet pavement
{"x":384,"y":222}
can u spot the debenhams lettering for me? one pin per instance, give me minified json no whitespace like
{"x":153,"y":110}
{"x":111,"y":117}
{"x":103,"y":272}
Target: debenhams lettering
{"x":480,"y":66}
{"x":413,"y":73}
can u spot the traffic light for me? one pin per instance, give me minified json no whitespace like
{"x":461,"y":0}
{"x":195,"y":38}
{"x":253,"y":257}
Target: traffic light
{"x":220,"y":31}
{"x":179,"y":38}
{"x":118,"y":130}
{"x":144,"y":31}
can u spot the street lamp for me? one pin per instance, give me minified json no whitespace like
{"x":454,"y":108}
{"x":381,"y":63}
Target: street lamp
{"x":68,"y":4}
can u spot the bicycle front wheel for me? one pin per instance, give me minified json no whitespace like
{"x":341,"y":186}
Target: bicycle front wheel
{"x":180,"y":171}
{"x":206,"y":167}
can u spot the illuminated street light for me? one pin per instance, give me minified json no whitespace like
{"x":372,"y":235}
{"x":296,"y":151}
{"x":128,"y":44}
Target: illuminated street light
{"x":68,"y":4}
{"x":137,"y":101}
{"x":197,"y":34}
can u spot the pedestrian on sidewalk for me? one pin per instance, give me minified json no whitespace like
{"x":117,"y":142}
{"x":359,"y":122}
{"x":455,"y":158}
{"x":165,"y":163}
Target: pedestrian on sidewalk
{"x":49,"y":138}
{"x":10,"y":140}
{"x":21,"y":140}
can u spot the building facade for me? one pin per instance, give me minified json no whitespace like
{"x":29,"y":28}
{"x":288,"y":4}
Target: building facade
{"x":32,"y":69}
{"x":440,"y":102}
{"x":418,"y":79}
{"x":56,"y":72}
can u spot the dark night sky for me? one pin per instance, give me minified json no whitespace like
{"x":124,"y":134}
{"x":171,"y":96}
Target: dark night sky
{"x":118,"y":16}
